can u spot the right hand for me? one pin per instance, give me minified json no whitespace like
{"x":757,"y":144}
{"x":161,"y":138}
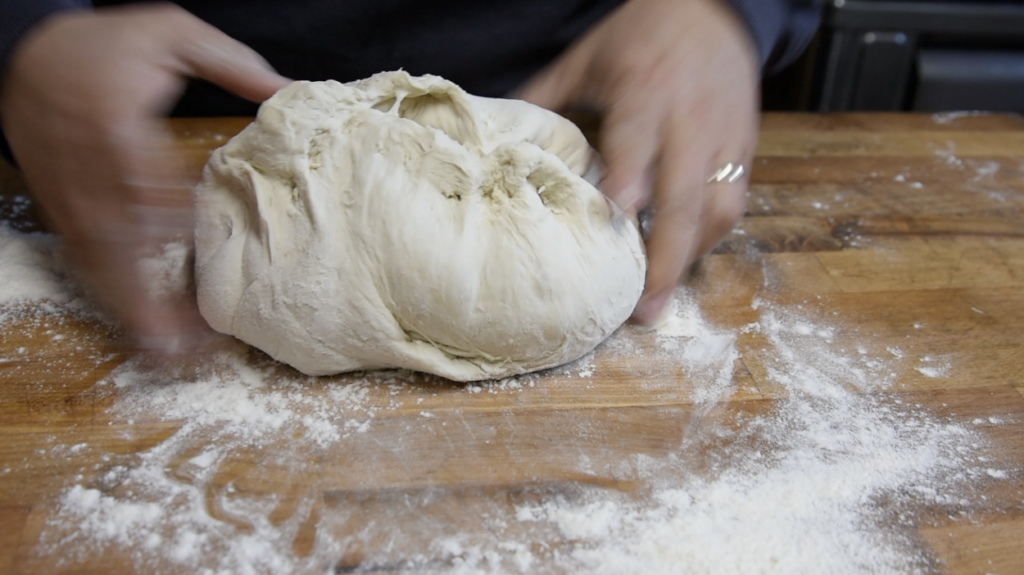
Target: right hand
{"x":81,"y":107}
{"x":677,"y":82}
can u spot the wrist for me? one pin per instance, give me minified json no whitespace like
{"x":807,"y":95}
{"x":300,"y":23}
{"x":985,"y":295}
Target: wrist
{"x":762,"y":21}
{"x":732,"y":35}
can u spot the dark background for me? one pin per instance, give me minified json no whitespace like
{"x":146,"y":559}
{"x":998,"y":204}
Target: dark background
{"x":924,"y":56}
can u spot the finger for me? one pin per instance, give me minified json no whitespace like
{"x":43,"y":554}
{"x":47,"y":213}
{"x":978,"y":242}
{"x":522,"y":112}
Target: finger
{"x":630,"y":138}
{"x":725,"y":202}
{"x":557,"y":86}
{"x":157,"y":209}
{"x":210,"y":54}
{"x":157,"y":187}
{"x":111,"y":265}
{"x":723,"y":207}
{"x":678,"y":196}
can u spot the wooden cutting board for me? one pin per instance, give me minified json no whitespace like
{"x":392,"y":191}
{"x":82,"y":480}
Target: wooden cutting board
{"x":902,"y":234}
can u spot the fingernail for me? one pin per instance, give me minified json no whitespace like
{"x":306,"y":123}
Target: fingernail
{"x":649,"y":309}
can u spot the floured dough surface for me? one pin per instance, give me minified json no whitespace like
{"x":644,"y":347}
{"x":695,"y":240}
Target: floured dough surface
{"x":399,"y":222}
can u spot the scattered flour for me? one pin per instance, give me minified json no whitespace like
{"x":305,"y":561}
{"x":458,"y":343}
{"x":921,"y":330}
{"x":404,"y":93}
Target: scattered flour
{"x":31,"y":268}
{"x":985,"y":170}
{"x":706,"y":354}
{"x":949,"y":157}
{"x":228,"y":394}
{"x":799,"y":496}
{"x":935,"y":366}
{"x":949,"y":117}
{"x":821,"y":481}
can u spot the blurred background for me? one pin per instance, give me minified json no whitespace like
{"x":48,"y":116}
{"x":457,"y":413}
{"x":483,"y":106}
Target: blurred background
{"x":928,"y":56}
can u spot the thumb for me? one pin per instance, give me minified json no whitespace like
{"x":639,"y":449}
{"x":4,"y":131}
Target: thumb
{"x":210,"y":54}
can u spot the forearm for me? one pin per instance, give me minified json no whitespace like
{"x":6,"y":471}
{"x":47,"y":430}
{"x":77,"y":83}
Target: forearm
{"x":780,"y":29}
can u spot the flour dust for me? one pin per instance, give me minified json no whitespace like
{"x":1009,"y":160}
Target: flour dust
{"x":822,"y":480}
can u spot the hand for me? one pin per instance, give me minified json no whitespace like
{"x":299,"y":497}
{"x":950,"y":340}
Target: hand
{"x":80,"y":106}
{"x":677,"y":84}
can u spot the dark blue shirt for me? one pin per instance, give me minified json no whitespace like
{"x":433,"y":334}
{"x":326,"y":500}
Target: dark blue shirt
{"x":489,"y":48}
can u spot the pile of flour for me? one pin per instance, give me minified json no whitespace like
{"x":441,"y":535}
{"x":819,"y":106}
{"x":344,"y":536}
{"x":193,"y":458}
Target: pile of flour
{"x":822,"y":481}
{"x":802,"y":504}
{"x":32,"y":270}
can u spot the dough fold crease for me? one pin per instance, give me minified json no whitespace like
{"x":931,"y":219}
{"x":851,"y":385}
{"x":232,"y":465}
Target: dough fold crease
{"x":398,"y":222}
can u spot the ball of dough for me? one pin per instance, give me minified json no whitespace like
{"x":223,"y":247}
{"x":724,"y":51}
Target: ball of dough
{"x":399,"y":222}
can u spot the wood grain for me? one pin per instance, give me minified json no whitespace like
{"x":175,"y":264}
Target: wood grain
{"x":906,"y":231}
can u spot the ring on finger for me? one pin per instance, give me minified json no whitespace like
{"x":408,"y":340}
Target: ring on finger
{"x":729,"y":173}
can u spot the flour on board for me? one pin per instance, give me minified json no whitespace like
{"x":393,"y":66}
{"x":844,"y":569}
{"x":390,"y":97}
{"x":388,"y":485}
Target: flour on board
{"x":796,"y":488}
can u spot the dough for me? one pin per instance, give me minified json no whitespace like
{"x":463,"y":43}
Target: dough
{"x":399,"y":222}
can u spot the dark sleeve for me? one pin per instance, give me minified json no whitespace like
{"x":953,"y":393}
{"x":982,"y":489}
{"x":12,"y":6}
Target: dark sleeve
{"x":781,"y":29}
{"x":18,"y":16}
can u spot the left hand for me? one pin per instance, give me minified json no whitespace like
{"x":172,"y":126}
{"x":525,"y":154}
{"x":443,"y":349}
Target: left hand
{"x":677,"y":84}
